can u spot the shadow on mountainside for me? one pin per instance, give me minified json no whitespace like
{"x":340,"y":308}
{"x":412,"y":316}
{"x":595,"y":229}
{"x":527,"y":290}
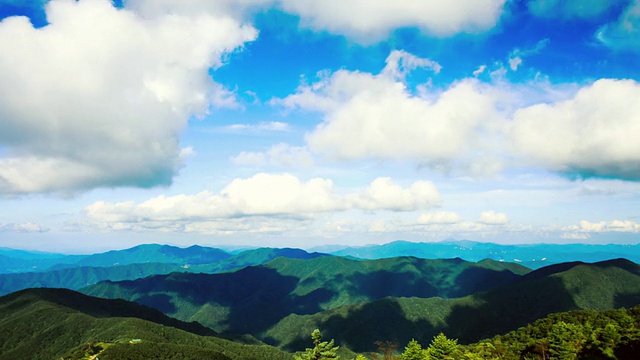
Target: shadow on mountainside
{"x":507,"y":308}
{"x":359,"y":328}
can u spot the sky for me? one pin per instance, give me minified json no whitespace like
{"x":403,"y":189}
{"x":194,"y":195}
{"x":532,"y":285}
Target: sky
{"x":301,"y":123}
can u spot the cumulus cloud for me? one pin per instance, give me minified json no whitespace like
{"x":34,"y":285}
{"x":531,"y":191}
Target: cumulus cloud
{"x":262,"y":196}
{"x":372,"y":20}
{"x":376,"y":116}
{"x":99,"y":96}
{"x":24,"y":228}
{"x":439,"y":217}
{"x":593,"y":134}
{"x":283,"y":155}
{"x":623,"y":34}
{"x":584,"y":9}
{"x":493,"y":218}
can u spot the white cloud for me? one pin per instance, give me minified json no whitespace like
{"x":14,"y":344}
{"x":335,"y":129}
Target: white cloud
{"x":372,"y":20}
{"x":493,"y":218}
{"x":571,"y":8}
{"x":480,"y":70}
{"x":282,"y":155}
{"x":100,"y":95}
{"x":595,"y":133}
{"x":400,"y":63}
{"x":626,"y":226}
{"x":24,"y":228}
{"x":264,"y":197}
{"x":260,"y":127}
{"x":384,"y":194}
{"x":623,"y":34}
{"x":375,"y":116}
{"x":517,"y":56}
{"x":439,"y":217}
{"x":514,"y":62}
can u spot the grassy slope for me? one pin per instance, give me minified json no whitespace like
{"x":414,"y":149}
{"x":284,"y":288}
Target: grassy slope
{"x":55,"y":323}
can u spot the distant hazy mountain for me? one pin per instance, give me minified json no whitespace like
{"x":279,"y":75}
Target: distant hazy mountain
{"x":253,"y":299}
{"x":564,"y":287}
{"x":153,"y":253}
{"x":533,"y":256}
{"x":60,"y":323}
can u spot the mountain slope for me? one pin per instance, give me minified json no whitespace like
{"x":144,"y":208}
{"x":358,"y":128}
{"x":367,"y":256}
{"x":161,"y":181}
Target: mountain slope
{"x":599,"y":286}
{"x":55,"y":323}
{"x":253,"y":299}
{"x":74,"y":277}
{"x":78,"y":277}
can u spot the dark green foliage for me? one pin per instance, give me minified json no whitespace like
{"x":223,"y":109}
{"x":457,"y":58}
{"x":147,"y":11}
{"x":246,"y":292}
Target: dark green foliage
{"x":586,"y":334}
{"x":56,"y":323}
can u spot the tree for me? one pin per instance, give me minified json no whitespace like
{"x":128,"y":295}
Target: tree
{"x":387,"y":349}
{"x":414,"y":351}
{"x":565,"y":340}
{"x":321,"y":349}
{"x":443,"y":348}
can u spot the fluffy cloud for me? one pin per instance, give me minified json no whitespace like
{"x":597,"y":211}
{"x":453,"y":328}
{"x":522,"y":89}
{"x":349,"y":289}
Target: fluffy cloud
{"x":595,"y":133}
{"x":493,"y":218}
{"x":623,"y":34}
{"x":571,"y":8}
{"x":263,"y":197}
{"x":100,"y":95}
{"x":372,"y":20}
{"x":376,"y":116}
{"x":362,"y":21}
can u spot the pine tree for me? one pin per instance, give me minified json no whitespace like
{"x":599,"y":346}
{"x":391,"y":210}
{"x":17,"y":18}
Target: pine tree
{"x":443,"y":348}
{"x":414,"y":351}
{"x":321,"y":350}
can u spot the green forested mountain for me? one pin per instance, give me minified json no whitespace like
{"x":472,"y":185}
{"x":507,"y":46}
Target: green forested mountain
{"x":606,"y":285}
{"x":253,"y":299}
{"x":584,"y":334}
{"x":533,"y":256}
{"x":60,"y":323}
{"x":73,"y":276}
{"x":78,"y":277}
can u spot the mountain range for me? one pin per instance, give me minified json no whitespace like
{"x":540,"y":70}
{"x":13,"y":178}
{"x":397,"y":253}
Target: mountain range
{"x":533,"y":256}
{"x":201,"y":302}
{"x":357,"y":302}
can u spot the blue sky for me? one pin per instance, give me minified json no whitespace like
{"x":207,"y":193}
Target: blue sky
{"x":304,"y":123}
